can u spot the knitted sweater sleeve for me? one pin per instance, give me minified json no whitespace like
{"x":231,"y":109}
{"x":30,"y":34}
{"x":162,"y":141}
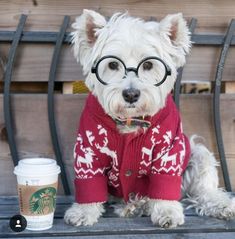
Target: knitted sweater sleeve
{"x":91,"y":181}
{"x":168,"y":166}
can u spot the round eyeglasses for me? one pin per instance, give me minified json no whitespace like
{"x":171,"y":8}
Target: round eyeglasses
{"x":150,"y":69}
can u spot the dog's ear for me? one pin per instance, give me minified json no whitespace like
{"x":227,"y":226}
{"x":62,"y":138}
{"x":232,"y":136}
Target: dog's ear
{"x":173,"y":28}
{"x":85,"y":34}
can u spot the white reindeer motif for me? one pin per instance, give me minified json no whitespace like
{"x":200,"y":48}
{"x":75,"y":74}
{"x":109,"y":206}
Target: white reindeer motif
{"x":156,"y":129}
{"x":88,"y":160}
{"x":104,"y":148}
{"x":167,"y":137}
{"x":88,"y":153}
{"x":149,"y":151}
{"x":90,"y":137}
{"x":168,"y":158}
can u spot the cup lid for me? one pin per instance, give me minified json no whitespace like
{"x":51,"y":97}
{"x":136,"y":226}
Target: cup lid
{"x":33,"y":167}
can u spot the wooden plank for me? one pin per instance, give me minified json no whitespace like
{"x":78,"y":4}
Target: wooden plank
{"x":9,"y":206}
{"x":202,"y":62}
{"x":33,"y":64}
{"x":127,"y":226}
{"x":193,"y":226}
{"x":212,"y":17}
{"x":33,"y":137}
{"x":223,"y":235}
{"x":8,"y":210}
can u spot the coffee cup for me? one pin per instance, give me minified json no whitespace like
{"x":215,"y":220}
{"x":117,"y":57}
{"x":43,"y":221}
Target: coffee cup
{"x":37,"y":180}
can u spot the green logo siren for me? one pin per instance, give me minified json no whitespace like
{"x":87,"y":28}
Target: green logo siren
{"x":43,"y":201}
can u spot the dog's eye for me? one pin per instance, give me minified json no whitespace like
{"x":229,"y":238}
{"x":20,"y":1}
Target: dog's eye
{"x":147,"y":65}
{"x":113,"y":65}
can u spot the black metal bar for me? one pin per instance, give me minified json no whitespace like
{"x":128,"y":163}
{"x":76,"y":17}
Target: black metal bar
{"x":216,"y":104}
{"x":206,"y":39}
{"x":6,"y":90}
{"x":34,"y":37}
{"x":51,"y":111}
{"x":51,"y":37}
{"x":192,"y":26}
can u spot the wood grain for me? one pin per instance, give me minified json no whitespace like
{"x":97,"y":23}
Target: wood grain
{"x":110,"y":226}
{"x":9,"y":205}
{"x":33,"y":136}
{"x":221,"y":235}
{"x":33,"y":64}
{"x":47,"y":15}
{"x":129,"y":227}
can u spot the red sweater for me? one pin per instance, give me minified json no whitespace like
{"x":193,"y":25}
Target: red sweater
{"x":146,"y":163}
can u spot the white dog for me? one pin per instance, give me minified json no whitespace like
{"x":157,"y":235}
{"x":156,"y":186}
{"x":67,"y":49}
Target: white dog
{"x":130,"y":142}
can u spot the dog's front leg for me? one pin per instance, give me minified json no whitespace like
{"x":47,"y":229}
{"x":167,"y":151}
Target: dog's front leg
{"x":166,"y":214}
{"x":84,"y":214}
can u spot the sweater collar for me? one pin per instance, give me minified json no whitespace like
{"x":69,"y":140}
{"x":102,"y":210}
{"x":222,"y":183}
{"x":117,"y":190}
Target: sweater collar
{"x":95,"y":108}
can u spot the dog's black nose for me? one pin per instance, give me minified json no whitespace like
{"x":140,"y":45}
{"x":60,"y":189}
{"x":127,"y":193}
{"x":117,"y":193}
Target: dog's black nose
{"x":131,"y":95}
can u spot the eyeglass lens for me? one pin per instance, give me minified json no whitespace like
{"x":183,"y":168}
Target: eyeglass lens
{"x":111,"y":69}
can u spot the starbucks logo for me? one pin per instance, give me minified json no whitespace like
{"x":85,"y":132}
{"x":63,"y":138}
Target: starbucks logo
{"x":43,"y":201}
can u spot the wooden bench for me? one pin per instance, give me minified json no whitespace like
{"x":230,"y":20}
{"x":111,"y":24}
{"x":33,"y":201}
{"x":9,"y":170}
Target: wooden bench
{"x":35,"y":124}
{"x":111,"y":226}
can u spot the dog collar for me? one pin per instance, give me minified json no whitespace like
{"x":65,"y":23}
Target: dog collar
{"x":133,"y":122}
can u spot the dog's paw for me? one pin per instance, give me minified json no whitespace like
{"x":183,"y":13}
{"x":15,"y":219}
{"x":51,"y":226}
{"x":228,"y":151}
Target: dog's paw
{"x":167,"y":214}
{"x":168,"y":221}
{"x":223,"y":210}
{"x":83,"y":214}
{"x":228,"y":212}
{"x":214,"y":203}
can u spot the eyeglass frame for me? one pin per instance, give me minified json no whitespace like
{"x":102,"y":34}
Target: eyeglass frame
{"x":128,"y":69}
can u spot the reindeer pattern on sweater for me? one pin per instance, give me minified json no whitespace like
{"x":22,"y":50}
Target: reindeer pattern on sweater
{"x":149,"y":163}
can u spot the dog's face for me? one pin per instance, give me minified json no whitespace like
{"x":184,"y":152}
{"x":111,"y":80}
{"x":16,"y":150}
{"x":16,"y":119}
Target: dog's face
{"x":131,"y":65}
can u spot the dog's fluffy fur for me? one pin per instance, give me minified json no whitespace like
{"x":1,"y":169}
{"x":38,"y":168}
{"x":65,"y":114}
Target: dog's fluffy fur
{"x":132,"y":39}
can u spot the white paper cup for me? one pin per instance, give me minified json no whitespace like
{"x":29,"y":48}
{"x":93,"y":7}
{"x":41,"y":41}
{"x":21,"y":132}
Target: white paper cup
{"x":37,"y":180}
